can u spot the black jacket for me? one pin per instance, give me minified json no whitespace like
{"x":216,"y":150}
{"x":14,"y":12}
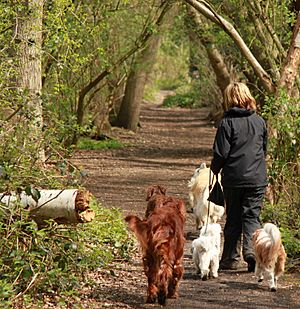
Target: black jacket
{"x":240,"y":148}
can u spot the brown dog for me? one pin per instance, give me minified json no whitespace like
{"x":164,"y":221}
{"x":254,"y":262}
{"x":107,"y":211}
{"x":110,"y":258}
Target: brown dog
{"x":269,"y":253}
{"x":156,"y":197}
{"x":161,"y":237}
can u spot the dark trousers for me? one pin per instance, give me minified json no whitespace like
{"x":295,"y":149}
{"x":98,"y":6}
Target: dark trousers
{"x":243,"y":207}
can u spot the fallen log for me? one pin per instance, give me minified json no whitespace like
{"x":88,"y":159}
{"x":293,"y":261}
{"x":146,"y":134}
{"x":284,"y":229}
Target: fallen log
{"x":68,"y":206}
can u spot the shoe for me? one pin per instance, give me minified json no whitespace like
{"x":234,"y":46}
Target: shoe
{"x":250,"y":260}
{"x":230,"y":265}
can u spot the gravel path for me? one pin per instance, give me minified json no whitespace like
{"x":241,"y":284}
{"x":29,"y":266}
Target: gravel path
{"x":169,"y":145}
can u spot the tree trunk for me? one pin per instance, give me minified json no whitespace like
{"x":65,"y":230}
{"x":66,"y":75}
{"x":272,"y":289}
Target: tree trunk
{"x":129,"y":114}
{"x":63,"y":206}
{"x":30,"y":35}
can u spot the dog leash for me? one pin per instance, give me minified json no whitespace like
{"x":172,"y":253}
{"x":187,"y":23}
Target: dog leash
{"x":211,"y":179}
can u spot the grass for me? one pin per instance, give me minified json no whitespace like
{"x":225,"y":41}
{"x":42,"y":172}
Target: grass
{"x":86,"y":143}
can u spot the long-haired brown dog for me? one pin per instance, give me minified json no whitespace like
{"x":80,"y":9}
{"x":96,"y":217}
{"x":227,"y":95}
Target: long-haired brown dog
{"x":156,"y":197}
{"x":161,"y":238}
{"x":269,"y":253}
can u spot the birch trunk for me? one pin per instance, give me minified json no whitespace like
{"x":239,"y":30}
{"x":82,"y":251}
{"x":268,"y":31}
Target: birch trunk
{"x":30,"y":35}
{"x":63,"y":206}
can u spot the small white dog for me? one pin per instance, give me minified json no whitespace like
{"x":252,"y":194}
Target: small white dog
{"x":269,"y":253}
{"x":206,"y":250}
{"x":198,"y":194}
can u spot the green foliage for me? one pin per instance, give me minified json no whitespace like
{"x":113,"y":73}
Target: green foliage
{"x":190,"y":95}
{"x":54,"y":260}
{"x":283,"y":117}
{"x":173,"y":64}
{"x":171,"y":68}
{"x":187,"y":96}
{"x":291,"y":241}
{"x":91,"y":144}
{"x":106,"y":238}
{"x":287,"y":217}
{"x":186,"y":100}
{"x":82,"y":40}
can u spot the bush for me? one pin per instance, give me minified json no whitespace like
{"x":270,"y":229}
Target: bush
{"x":187,"y":96}
{"x":187,"y":100}
{"x":283,"y":117}
{"x":287,"y":218}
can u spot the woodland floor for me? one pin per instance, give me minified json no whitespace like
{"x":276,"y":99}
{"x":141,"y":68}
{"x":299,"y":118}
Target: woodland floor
{"x":167,"y":148}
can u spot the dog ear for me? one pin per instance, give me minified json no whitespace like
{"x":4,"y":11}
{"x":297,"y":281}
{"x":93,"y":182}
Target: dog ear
{"x":139,"y":228}
{"x":202,"y":166}
{"x":181,"y":209}
{"x":156,"y":189}
{"x":149,"y":193}
{"x":162,"y":190}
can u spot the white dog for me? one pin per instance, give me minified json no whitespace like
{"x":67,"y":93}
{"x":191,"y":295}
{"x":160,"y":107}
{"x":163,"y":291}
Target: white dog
{"x":206,"y":250}
{"x":198,"y":194}
{"x":269,"y":253}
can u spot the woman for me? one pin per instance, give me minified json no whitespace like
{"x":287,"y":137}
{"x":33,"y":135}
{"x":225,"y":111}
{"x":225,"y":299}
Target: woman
{"x":239,"y":151}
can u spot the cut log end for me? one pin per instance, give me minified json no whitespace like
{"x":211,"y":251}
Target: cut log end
{"x":82,"y":200}
{"x":82,"y":206}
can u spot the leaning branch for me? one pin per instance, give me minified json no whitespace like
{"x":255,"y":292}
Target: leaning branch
{"x":206,"y":10}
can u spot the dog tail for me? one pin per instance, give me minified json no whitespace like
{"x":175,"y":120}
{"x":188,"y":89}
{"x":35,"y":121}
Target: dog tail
{"x":273,"y":232}
{"x":277,"y":248}
{"x":267,"y":242}
{"x":161,"y":240}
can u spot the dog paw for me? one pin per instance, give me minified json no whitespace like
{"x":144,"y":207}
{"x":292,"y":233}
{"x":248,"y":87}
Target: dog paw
{"x":273,"y":289}
{"x":173,"y":295}
{"x":151,"y":299}
{"x":161,"y":297}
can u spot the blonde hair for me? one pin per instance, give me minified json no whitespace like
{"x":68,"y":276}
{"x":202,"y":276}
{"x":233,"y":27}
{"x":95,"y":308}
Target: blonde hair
{"x":238,"y":95}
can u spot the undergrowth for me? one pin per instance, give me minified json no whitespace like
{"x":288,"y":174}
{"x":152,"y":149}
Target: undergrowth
{"x":52,"y":262}
{"x":287,"y":218}
{"x":91,"y":144}
{"x":283,"y":118}
{"x":187,"y":96}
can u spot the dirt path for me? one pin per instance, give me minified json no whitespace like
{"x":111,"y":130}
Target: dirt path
{"x":170,"y":144}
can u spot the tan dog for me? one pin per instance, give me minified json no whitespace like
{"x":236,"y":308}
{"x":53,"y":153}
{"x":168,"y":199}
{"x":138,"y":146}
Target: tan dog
{"x":198,"y":194}
{"x":269,"y":253}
